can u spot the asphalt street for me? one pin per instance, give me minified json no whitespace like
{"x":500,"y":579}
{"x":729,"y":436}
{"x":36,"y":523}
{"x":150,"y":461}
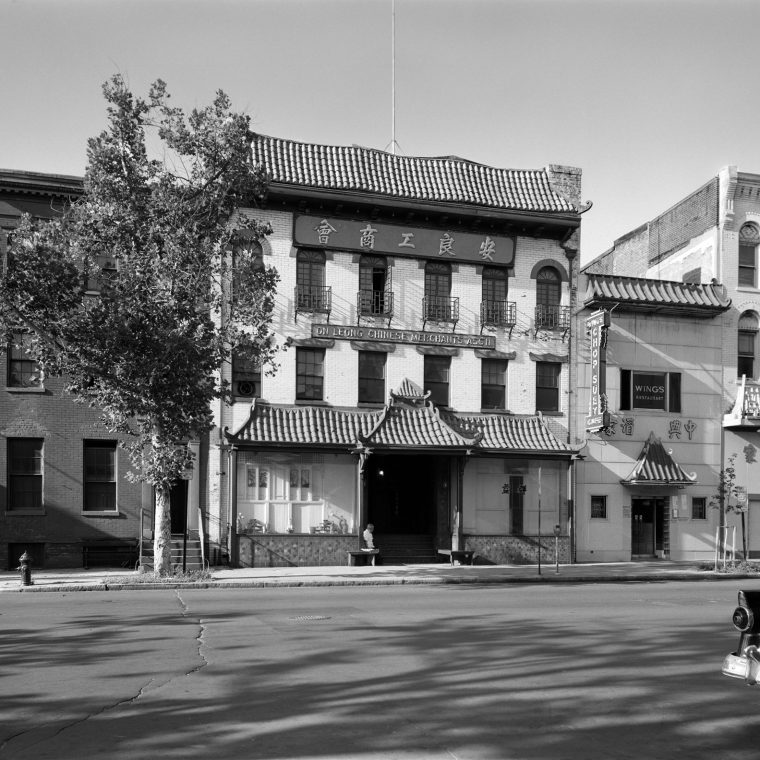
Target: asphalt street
{"x":518,"y":672}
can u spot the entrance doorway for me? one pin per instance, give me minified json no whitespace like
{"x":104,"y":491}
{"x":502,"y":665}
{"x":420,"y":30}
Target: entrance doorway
{"x":178,"y":506}
{"x":402,"y":492}
{"x":647,"y":527}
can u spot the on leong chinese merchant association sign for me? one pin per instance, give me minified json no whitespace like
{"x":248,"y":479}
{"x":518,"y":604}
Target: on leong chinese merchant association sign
{"x":348,"y":234}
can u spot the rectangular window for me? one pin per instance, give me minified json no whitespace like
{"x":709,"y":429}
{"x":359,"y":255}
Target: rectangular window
{"x":747,"y":266}
{"x":650,"y":390}
{"x":598,"y":507}
{"x":493,"y":384}
{"x":24,"y":474}
{"x":246,"y":376}
{"x":371,"y":377}
{"x":99,"y":476}
{"x":310,"y":370}
{"x":23,"y":371}
{"x":103,"y":272}
{"x":698,"y":508}
{"x":437,"y":370}
{"x":746,"y":356}
{"x":547,"y":386}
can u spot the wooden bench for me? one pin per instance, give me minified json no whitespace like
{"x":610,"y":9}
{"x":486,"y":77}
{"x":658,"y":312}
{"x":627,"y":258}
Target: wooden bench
{"x":109,"y":552}
{"x":462,"y":556}
{"x":368,"y":554}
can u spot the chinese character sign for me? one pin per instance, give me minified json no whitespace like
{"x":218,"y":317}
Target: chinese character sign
{"x":396,"y":239}
{"x":596,"y":327}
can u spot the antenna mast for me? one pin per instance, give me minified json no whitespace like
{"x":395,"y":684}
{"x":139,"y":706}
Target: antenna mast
{"x":393,"y":77}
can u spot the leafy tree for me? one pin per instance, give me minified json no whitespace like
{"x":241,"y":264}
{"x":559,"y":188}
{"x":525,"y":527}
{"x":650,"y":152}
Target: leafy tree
{"x":154,"y":236}
{"x":725,"y":499}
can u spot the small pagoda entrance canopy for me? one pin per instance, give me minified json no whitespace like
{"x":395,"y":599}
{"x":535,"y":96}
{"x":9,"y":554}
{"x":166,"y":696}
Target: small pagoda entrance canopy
{"x":656,"y":467}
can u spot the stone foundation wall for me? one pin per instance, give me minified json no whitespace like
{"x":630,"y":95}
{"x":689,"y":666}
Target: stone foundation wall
{"x":516,"y":550}
{"x":294,"y":550}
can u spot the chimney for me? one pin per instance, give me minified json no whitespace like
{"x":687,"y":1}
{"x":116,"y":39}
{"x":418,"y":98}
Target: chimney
{"x":566,"y":181}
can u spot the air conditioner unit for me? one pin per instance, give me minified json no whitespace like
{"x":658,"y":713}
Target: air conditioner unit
{"x":245,"y":388}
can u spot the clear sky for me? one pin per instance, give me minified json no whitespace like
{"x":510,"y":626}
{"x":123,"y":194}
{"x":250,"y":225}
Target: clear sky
{"x":649,"y":98}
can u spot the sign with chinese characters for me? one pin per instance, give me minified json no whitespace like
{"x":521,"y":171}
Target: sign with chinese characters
{"x":398,"y":240}
{"x":417,"y":337}
{"x":752,"y":401}
{"x":596,"y":326}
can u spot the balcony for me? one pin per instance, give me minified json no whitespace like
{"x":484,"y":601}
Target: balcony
{"x":498,"y":314}
{"x":556,"y":318}
{"x":375,"y":303}
{"x":313,"y":299}
{"x":440,"y":309}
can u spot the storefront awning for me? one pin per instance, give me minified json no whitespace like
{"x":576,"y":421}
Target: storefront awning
{"x":656,"y":467}
{"x":409,"y":421}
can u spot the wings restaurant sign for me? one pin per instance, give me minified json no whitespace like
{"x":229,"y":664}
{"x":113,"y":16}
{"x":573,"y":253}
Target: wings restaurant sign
{"x":596,"y":327}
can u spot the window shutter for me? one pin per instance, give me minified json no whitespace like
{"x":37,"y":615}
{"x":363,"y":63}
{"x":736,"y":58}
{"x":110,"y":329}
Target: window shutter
{"x":625,"y":389}
{"x":674,"y":392}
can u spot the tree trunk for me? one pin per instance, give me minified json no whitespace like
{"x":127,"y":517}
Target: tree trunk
{"x":744,"y":538}
{"x":162,"y":534}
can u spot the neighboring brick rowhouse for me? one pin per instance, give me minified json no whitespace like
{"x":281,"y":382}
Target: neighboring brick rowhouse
{"x":684,"y":221}
{"x":633,"y":253}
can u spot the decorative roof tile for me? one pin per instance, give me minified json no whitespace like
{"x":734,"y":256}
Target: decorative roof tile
{"x":394,"y":427}
{"x":447,"y":179}
{"x":656,"y":466}
{"x":651,"y":294}
{"x":509,"y":432}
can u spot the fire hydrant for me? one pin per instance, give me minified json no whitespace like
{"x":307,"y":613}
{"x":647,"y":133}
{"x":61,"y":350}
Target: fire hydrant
{"x":25,"y":567}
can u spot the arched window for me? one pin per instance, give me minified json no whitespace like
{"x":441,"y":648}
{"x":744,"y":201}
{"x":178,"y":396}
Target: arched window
{"x":746,"y":344}
{"x":548,"y":287}
{"x":245,"y":250}
{"x":311,"y":293}
{"x":548,"y":294}
{"x":374,"y":285}
{"x":438,"y":302}
{"x":749,"y":239}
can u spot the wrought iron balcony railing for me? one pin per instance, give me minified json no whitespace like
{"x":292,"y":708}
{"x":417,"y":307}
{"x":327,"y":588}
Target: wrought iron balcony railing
{"x":313,"y":298}
{"x":498,"y":313}
{"x":552,"y":318}
{"x":374,"y":303}
{"x":440,"y":309}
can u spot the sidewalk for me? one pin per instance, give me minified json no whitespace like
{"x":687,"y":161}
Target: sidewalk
{"x":267,"y":577}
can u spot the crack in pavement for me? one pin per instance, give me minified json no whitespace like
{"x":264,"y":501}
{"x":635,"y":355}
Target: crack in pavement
{"x":200,"y":638}
{"x":144,"y":689}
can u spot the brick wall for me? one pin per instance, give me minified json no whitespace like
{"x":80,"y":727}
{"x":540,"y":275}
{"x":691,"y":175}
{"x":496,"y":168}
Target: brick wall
{"x":63,"y":426}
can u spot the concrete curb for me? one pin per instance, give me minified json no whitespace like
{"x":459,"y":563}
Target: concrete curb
{"x":326,"y":581}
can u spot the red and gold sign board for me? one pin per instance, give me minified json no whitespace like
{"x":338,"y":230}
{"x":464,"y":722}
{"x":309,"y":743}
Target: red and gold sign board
{"x":403,"y":240}
{"x":596,"y":327}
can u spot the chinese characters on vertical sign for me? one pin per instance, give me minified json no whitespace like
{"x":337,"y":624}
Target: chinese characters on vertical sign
{"x":596,"y":326}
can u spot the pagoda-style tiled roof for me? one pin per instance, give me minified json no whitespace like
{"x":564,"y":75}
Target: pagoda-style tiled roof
{"x":447,"y":179}
{"x":656,"y":466}
{"x":396,"y":426}
{"x":416,"y":427}
{"x":305,"y":426}
{"x":638,"y":293}
{"x":516,"y":433}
